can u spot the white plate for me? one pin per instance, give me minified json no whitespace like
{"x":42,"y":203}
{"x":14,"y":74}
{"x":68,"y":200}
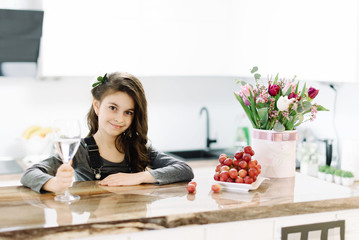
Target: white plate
{"x":241,"y":187}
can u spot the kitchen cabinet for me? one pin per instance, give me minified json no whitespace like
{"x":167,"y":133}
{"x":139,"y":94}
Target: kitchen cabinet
{"x":264,"y":229}
{"x":313,"y":40}
{"x":142,"y":37}
{"x":351,"y":223}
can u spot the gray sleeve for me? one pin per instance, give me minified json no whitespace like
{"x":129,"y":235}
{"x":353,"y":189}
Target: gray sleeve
{"x":38,"y":174}
{"x":167,"y":169}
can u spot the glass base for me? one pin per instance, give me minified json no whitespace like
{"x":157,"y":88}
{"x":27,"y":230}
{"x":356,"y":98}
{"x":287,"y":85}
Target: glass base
{"x":67,"y":198}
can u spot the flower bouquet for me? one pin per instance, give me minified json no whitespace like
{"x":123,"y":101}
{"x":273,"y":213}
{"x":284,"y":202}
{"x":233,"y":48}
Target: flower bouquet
{"x":280,"y":106}
{"x":275,"y":110}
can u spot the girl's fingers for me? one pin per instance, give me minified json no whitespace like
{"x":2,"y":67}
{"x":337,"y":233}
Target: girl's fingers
{"x":103,"y":182}
{"x":65,"y":167}
{"x":65,"y":174}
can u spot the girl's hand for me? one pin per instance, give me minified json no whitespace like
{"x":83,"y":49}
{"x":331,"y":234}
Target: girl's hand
{"x":61,"y":181}
{"x":64,"y":176}
{"x":121,"y":179}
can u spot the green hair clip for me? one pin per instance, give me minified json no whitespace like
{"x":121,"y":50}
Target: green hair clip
{"x":100,"y":80}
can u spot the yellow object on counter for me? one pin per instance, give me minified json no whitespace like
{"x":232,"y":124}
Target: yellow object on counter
{"x":36,"y":130}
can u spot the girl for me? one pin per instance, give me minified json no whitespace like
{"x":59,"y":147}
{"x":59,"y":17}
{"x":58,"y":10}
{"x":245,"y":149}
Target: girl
{"x":116,"y":150}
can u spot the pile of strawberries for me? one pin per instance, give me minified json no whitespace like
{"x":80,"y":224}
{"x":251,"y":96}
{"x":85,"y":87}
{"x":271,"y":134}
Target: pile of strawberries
{"x":241,"y":168}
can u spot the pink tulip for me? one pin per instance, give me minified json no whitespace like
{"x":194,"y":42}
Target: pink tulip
{"x":312,"y":92}
{"x":289,"y":85}
{"x":246,"y":89}
{"x":273,"y":90}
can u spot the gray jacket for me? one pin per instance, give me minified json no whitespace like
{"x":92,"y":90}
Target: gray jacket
{"x":164,"y":168}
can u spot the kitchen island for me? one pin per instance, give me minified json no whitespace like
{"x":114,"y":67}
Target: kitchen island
{"x":152,"y":211}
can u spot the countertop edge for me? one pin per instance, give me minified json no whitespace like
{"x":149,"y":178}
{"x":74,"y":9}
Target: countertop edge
{"x":181,"y":220}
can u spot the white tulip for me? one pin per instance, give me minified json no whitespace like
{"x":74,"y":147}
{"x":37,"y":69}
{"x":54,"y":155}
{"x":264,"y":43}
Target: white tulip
{"x":283,"y":103}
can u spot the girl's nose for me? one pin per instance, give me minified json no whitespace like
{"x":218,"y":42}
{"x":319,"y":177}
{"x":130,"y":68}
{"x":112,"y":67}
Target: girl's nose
{"x":119,"y":118}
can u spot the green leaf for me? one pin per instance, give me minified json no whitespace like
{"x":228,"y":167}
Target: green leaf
{"x":99,"y":79}
{"x":276,"y":79}
{"x":321,"y":108}
{"x":276,"y":99}
{"x":289,"y":125}
{"x":288,"y":91}
{"x":296,"y":88}
{"x":246,"y":110}
{"x":257,"y":76}
{"x":253,"y":108}
{"x":278,"y":127}
{"x":303,"y":91}
{"x":300,"y":108}
{"x":96,"y":84}
{"x":307,"y":106}
{"x":263,"y":115}
{"x":298,"y":119}
{"x":254,"y":69}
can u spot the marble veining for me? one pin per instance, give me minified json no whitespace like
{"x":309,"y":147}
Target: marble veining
{"x":105,"y":210}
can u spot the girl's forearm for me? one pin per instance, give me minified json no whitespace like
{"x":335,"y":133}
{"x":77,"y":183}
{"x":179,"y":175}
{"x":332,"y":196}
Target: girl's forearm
{"x":146,"y":177}
{"x":51,"y":185}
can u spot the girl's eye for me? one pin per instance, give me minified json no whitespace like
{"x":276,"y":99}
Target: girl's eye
{"x":129,"y":113}
{"x":113,"y":108}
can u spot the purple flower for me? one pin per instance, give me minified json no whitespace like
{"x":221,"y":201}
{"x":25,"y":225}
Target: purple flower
{"x":295,"y":96}
{"x":313,"y":112}
{"x":273,"y":90}
{"x":245,"y":100}
{"x":312,"y":92}
{"x":291,"y":95}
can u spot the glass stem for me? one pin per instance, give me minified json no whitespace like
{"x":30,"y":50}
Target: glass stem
{"x":67,"y":194}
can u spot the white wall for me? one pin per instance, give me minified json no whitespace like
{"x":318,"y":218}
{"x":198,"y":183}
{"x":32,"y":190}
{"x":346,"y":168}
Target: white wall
{"x":174,"y":105}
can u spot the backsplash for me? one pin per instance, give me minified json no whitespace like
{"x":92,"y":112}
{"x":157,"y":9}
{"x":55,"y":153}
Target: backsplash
{"x":174,"y":105}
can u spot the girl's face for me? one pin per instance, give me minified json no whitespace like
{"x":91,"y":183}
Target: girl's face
{"x":115,"y":113}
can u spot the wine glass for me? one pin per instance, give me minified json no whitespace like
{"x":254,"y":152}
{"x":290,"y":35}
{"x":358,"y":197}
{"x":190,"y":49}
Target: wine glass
{"x":66,"y":137}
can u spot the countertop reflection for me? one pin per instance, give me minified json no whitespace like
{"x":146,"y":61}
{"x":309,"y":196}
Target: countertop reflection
{"x":151,"y":206}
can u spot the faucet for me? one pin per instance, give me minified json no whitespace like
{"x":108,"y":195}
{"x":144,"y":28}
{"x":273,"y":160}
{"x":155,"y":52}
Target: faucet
{"x":328,"y":151}
{"x":209,"y":141}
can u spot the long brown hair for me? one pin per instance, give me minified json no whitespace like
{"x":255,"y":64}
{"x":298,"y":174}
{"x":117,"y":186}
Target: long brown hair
{"x":133,"y":141}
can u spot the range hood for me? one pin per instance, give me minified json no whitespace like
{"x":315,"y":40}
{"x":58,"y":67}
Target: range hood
{"x":20,"y":34}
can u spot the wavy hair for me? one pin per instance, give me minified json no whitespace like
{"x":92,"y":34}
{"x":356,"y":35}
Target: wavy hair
{"x":133,"y":141}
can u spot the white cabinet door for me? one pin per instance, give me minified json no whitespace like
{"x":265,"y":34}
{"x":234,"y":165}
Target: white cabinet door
{"x":316,"y":40}
{"x":155,"y":37}
{"x":251,"y":229}
{"x":180,"y":233}
{"x":297,"y":220}
{"x":351,"y":223}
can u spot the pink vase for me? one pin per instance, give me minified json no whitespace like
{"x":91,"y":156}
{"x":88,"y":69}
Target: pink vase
{"x":275,"y":152}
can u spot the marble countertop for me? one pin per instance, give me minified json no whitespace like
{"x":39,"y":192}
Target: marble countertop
{"x":145,"y":207}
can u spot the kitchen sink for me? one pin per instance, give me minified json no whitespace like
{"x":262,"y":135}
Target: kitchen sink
{"x":200,"y":154}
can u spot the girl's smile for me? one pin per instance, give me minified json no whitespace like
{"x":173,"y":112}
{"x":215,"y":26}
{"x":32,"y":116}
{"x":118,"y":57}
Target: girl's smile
{"x":116,"y":126}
